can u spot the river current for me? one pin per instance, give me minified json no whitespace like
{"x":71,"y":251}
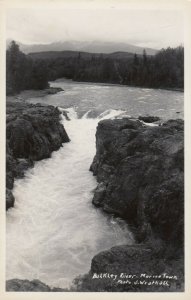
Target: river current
{"x":53,"y":231}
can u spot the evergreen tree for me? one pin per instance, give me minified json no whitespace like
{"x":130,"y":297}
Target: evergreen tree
{"x":135,"y":60}
{"x":15,"y":69}
{"x":163,"y":70}
{"x":144,"y":57}
{"x":22,"y":72}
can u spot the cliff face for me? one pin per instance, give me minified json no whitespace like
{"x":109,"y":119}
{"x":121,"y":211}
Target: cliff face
{"x":140,"y":174}
{"x":140,"y":178}
{"x":32,"y":133}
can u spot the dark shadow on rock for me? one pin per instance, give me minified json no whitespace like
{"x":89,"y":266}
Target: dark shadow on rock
{"x":33,"y":132}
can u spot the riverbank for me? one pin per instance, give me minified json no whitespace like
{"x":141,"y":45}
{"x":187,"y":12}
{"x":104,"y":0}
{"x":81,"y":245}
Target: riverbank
{"x":33,"y":132}
{"x":140,"y":174}
{"x":27,"y":94}
{"x":143,"y":167}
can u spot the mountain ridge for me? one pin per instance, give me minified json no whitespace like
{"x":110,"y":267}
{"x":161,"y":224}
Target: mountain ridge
{"x":74,"y":54}
{"x":91,"y":47}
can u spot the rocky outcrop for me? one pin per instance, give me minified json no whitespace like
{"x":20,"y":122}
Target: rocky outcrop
{"x":140,"y":174}
{"x":140,"y":178}
{"x":32,"y":132}
{"x":136,"y":268}
{"x":149,"y":119}
{"x":53,"y":90}
{"x":19,"y":285}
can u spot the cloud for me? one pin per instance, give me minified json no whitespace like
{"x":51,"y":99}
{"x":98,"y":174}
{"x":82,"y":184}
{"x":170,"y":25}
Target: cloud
{"x":158,"y":28}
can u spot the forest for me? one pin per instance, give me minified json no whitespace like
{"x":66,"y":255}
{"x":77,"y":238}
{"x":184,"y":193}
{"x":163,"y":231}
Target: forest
{"x":165,"y":69}
{"x":22,"y":72}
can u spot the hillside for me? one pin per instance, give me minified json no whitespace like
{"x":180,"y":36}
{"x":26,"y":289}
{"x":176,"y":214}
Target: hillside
{"x":76,"y":54}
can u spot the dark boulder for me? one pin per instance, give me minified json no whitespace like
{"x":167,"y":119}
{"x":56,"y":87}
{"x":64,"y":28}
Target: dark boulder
{"x":149,"y":119}
{"x":54,"y":90}
{"x":140,"y":174}
{"x":142,"y":171}
{"x":9,"y":199}
{"x":33,"y":132}
{"x":18,"y":285}
{"x":137,"y":268}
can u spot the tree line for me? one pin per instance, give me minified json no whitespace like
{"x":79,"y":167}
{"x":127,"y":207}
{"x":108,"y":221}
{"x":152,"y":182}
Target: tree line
{"x":22,"y":72}
{"x":163,"y":70}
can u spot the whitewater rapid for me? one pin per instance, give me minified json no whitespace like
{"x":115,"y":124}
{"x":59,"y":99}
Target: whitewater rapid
{"x":53,"y":231}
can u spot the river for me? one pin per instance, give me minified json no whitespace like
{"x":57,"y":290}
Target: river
{"x":53,"y":231}
{"x":97,"y":98}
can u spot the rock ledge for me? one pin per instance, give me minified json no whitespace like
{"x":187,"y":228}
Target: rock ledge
{"x":33,"y":132}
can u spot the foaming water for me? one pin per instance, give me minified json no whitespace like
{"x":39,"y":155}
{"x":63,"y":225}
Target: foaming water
{"x":97,"y":98}
{"x":54,"y":230}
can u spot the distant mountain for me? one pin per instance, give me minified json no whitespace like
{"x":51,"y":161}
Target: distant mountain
{"x":92,"y":47}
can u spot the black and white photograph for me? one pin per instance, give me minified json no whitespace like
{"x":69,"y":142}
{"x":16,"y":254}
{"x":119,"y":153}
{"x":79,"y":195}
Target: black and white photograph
{"x":95,"y":158}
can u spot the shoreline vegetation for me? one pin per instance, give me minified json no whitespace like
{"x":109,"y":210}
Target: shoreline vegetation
{"x":164,"y":70}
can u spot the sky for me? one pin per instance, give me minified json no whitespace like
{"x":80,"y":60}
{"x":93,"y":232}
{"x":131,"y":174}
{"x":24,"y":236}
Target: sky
{"x":146,"y":28}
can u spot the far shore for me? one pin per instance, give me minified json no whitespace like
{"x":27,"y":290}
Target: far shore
{"x":118,"y":84}
{"x":27,"y":94}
